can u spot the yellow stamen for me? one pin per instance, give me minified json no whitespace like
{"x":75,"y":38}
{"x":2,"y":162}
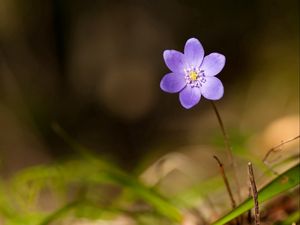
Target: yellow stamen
{"x":193,"y":75}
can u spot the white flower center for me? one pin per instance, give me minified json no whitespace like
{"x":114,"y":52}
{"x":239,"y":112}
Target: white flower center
{"x":194,"y":77}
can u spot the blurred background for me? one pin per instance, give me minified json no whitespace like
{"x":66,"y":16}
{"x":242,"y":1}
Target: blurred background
{"x":94,"y":68}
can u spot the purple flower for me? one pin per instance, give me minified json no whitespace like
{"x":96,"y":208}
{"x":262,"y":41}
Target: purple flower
{"x":192,"y":74}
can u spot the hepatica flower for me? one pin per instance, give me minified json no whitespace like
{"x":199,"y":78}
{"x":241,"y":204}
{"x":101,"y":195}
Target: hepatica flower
{"x":192,"y":74}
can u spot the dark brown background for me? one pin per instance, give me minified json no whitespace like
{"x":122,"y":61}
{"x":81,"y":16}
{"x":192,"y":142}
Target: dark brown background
{"x":94,"y":67}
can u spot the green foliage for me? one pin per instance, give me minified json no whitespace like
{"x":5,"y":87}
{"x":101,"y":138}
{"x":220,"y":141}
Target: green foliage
{"x":81,"y":176}
{"x":284,"y":182}
{"x":91,"y":187}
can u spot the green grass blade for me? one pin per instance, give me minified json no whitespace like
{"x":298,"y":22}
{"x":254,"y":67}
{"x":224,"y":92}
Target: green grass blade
{"x":151,"y":196}
{"x":59,"y":213}
{"x":111,"y":172}
{"x":284,"y":182}
{"x":192,"y":195}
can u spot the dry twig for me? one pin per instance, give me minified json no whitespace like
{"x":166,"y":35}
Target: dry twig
{"x":233,"y":204}
{"x":254,"y":194}
{"x":277,"y":147}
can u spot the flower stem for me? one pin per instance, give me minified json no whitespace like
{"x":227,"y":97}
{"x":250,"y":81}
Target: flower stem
{"x":229,"y":149}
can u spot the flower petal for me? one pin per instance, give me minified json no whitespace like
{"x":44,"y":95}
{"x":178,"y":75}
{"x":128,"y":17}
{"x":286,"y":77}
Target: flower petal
{"x":174,"y":60}
{"x":172,"y":82}
{"x":189,"y":96}
{"x":193,"y":52}
{"x":213,"y":64}
{"x":212,"y":89}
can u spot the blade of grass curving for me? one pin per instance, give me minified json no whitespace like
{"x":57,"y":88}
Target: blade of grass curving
{"x":190,"y":196}
{"x":149,"y":195}
{"x":116,"y":175}
{"x":284,"y":182}
{"x":91,"y":171}
{"x":61,"y":211}
{"x":77,"y":208}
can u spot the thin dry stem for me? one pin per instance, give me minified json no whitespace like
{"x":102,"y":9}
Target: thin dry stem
{"x":254,"y":194}
{"x":229,"y":150}
{"x":233,"y":204}
{"x":276,"y":148}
